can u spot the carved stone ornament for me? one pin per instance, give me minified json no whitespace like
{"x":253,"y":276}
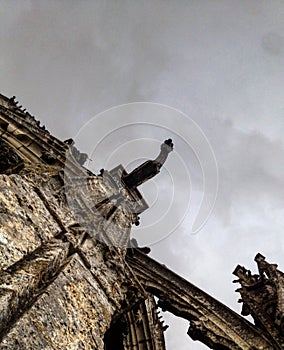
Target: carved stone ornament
{"x":150,"y":168}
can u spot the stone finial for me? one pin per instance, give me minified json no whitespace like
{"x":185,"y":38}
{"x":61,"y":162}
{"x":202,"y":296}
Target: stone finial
{"x":262,"y":296}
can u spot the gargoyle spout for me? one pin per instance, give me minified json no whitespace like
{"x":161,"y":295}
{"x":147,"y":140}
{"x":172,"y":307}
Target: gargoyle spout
{"x":150,"y":168}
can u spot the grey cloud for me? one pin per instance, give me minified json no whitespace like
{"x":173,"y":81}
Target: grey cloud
{"x":84,"y":54}
{"x":251,"y":170}
{"x":273,"y":43}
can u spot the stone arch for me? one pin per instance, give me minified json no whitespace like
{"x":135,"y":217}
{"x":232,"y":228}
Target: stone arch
{"x":137,"y":329}
{"x":3,"y":125}
{"x":24,"y":139}
{"x":10,"y":160}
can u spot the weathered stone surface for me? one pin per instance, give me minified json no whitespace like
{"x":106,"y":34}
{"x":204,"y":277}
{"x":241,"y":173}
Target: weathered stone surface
{"x":72,"y":313}
{"x":22,"y":282}
{"x":24,"y":222}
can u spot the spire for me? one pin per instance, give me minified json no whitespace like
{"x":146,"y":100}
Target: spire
{"x":150,"y":168}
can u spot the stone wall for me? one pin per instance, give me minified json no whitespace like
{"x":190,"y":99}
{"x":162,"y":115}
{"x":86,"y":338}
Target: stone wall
{"x":59,"y":287}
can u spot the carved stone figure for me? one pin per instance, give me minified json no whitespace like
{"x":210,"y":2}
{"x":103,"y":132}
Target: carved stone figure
{"x":150,"y":168}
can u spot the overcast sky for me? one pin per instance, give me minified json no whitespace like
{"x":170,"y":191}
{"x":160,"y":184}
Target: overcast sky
{"x":219,"y":62}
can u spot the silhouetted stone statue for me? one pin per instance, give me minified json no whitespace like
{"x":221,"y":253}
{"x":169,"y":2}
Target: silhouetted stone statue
{"x":150,"y":168}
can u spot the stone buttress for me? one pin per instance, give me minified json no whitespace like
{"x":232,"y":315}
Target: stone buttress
{"x":64,"y":233}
